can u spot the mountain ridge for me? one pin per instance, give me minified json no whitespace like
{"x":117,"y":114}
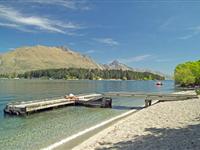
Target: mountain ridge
{"x":42,"y":57}
{"x":39,"y":57}
{"x":117,"y":65}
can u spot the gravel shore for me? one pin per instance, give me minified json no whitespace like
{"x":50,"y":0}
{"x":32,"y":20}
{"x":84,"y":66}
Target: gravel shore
{"x":164,"y":126}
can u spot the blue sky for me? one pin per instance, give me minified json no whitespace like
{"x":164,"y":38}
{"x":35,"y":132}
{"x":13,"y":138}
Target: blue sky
{"x":142,"y":34}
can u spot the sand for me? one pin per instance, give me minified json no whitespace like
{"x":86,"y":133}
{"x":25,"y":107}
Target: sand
{"x":166,"y":125}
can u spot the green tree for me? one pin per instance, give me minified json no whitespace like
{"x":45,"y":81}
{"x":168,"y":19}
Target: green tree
{"x":187,"y":74}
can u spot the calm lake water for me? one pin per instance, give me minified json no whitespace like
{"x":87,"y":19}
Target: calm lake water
{"x":42,"y":129}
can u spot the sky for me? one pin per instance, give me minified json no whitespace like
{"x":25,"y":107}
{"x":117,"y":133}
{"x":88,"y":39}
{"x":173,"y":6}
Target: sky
{"x":146,"y":34}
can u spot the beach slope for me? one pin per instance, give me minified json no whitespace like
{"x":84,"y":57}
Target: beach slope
{"x":167,"y":125}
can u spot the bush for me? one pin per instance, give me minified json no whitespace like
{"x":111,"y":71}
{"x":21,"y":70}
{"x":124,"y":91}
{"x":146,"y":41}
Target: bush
{"x":197,"y":91}
{"x":188,"y":74}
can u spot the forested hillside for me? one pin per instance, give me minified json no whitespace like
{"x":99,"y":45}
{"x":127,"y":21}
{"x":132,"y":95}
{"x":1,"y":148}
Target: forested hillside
{"x":92,"y":74}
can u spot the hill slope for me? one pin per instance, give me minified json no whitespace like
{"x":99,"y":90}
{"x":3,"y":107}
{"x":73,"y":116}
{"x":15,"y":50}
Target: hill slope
{"x":43,"y":57}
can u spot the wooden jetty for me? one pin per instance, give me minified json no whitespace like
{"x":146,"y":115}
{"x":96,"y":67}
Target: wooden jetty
{"x":149,"y":97}
{"x":90,"y":100}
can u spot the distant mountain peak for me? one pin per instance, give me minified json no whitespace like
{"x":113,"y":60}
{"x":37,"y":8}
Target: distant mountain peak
{"x":116,"y":65}
{"x":115,"y":62}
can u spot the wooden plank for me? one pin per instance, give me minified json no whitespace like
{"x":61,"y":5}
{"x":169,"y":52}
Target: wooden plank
{"x":133,"y":94}
{"x":39,"y":103}
{"x":30,"y":109}
{"x":88,"y":96}
{"x":31,"y":106}
{"x":161,"y":97}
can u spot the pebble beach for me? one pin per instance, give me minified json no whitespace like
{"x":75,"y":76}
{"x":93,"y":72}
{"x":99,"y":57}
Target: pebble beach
{"x":165,"y":125}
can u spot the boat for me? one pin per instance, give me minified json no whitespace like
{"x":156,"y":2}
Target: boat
{"x":159,"y":83}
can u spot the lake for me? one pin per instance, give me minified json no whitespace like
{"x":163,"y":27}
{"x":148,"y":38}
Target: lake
{"x":39,"y":130}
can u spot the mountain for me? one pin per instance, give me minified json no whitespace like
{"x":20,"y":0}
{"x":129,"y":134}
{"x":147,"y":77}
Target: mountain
{"x":167,"y":77}
{"x":116,"y":65}
{"x":42,"y":57}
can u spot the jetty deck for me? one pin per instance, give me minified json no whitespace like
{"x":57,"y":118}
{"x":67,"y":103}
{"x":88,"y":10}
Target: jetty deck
{"x":92,"y":100}
{"x":131,"y":94}
{"x":149,"y":97}
{"x":89,"y":100}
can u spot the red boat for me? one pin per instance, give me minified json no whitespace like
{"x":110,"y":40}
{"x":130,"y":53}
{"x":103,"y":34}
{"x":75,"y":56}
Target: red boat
{"x":159,"y":83}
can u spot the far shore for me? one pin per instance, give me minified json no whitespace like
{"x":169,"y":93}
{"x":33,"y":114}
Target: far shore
{"x":75,"y":79}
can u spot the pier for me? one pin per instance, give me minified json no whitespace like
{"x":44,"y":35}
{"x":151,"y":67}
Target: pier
{"x":149,"y":97}
{"x":89,"y":100}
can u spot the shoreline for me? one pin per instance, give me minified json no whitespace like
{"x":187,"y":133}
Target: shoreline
{"x":72,"y":141}
{"x":166,"y":125}
{"x":102,"y":125}
{"x":81,"y":79}
{"x":84,"y":136}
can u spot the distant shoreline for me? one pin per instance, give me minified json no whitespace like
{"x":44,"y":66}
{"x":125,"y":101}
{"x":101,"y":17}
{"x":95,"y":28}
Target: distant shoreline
{"x":77,"y":79}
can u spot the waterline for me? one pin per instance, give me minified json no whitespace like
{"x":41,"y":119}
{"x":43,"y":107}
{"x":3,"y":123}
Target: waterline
{"x":100,"y":125}
{"x":63,"y":141}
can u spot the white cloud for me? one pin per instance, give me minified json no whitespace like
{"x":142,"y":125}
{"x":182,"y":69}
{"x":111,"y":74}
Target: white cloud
{"x":185,"y":37}
{"x":16,"y":26}
{"x":135,"y":58}
{"x":70,"y":4}
{"x":167,"y":23}
{"x":19,"y":21}
{"x":107,"y":41}
{"x":9,"y":25}
{"x":194,"y":32}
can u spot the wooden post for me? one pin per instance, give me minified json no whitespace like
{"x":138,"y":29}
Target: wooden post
{"x":148,"y":101}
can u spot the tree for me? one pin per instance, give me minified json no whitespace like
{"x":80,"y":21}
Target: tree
{"x":92,"y":74}
{"x":187,"y":74}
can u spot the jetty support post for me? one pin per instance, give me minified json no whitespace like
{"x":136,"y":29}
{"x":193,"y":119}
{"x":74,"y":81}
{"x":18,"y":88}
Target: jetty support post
{"x":148,"y":101}
{"x":106,"y":102}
